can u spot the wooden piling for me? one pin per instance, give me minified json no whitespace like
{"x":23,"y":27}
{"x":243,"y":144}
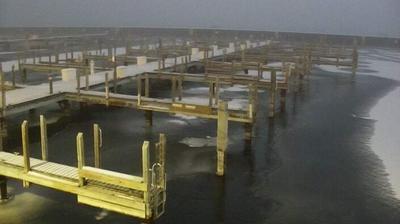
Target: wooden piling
{"x":115,"y":77}
{"x":50,"y":78}
{"x":43,"y":138}
{"x":216,"y":91}
{"x":222,"y":136}
{"x":283,"y":99}
{"x":3,"y":188}
{"x":78,"y":83}
{"x":148,"y":114}
{"x":272,"y":95}
{"x":25,"y":150}
{"x":3,"y":94}
{"x":97,"y":143}
{"x":173,"y":88}
{"x":107,"y":88}
{"x":180,"y":88}
{"x":13,"y":75}
{"x":146,"y":85}
{"x":81,"y":155}
{"x":146,"y":176}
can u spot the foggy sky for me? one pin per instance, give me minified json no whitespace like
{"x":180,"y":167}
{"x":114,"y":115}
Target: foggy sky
{"x":359,"y":17}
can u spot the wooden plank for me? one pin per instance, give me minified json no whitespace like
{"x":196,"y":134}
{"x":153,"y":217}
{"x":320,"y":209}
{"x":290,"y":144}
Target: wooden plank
{"x":114,"y":178}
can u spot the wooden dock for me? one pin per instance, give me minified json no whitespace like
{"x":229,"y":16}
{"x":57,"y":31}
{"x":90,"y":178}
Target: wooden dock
{"x":138,"y":196}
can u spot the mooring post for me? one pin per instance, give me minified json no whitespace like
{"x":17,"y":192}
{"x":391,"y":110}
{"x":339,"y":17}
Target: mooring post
{"x":283,"y":100}
{"x":97,"y":143}
{"x":13,"y":75}
{"x":173,"y":88}
{"x":146,"y":85}
{"x":107,"y":88}
{"x":24,"y":75}
{"x":78,"y":83}
{"x":50,"y":78}
{"x":272,"y":94}
{"x":86,"y":77}
{"x":139,"y":88}
{"x":148,"y":114}
{"x":43,"y":138}
{"x":80,"y":147}
{"x":180,"y":88}
{"x":216,"y":91}
{"x":115,"y":77}
{"x":3,"y":93}
{"x":146,"y":176}
{"x":3,"y":188}
{"x":222,"y":136}
{"x":25,"y":150}
{"x":210,"y":93}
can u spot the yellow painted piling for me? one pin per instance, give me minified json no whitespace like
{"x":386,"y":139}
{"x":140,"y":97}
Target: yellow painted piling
{"x":80,"y":147}
{"x":43,"y":138}
{"x":97,"y":143}
{"x":25,"y":150}
{"x":222,"y":136}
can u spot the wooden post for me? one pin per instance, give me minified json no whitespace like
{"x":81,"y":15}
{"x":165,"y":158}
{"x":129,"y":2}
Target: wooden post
{"x":3,"y":188}
{"x":146,"y":176}
{"x":248,"y":131}
{"x":180,"y":87}
{"x":50,"y":84}
{"x":210,"y":93}
{"x":173,"y":88}
{"x":161,"y":156}
{"x":97,"y":143}
{"x":148,"y":114}
{"x":3,"y":94}
{"x":216,"y":91}
{"x":146,"y":85}
{"x":139,"y":88}
{"x":272,"y":94}
{"x":106,"y":88}
{"x":283,"y":99}
{"x":43,"y":138}
{"x":222,"y":136}
{"x":115,"y":77}
{"x":86,"y":78}
{"x":25,"y":150}
{"x":81,"y":155}
{"x":13,"y":75}
{"x":78,"y":83}
{"x":24,"y":75}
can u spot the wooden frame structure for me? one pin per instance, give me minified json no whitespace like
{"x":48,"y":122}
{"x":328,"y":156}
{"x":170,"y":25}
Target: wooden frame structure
{"x":138,"y":196}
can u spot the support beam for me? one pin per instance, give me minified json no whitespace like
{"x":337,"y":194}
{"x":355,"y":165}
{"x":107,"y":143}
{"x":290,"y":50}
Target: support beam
{"x":222,"y":136}
{"x":43,"y":138}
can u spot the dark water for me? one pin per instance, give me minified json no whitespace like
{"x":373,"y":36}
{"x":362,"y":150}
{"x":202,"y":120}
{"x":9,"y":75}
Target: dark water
{"x":311,"y":164}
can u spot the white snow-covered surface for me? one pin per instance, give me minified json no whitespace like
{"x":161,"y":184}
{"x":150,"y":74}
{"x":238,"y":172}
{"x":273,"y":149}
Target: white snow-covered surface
{"x":386,"y":139}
